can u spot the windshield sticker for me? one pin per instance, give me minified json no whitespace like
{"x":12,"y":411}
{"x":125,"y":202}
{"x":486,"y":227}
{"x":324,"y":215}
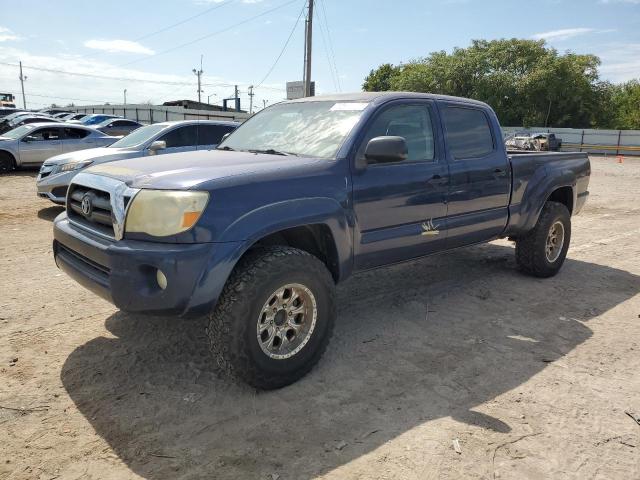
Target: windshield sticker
{"x":349,"y":106}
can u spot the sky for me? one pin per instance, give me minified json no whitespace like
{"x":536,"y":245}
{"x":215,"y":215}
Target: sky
{"x":150,"y":47}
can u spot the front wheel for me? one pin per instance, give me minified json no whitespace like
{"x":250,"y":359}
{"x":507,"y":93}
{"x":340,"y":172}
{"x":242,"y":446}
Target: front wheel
{"x":274,"y":317}
{"x":6,"y":162}
{"x":542,"y":251}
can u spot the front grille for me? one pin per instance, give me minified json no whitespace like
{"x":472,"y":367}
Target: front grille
{"x":99,"y":217}
{"x":47,"y":170}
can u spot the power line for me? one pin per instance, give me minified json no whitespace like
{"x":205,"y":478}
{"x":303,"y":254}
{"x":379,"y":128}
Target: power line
{"x":168,"y":27}
{"x":284,"y":47}
{"x":326,"y":51}
{"x":333,"y":54}
{"x":209,"y":35}
{"x":122,"y":79}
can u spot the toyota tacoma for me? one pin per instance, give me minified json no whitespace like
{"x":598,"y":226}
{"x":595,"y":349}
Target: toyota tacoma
{"x":257,"y":233}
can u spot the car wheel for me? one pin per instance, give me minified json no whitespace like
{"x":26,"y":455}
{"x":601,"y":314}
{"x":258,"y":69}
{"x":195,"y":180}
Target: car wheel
{"x":542,"y":251}
{"x":7,"y":162}
{"x":274,"y":318}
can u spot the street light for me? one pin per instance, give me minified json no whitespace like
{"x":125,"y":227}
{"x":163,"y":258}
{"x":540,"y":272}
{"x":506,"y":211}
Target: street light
{"x":209,"y":96}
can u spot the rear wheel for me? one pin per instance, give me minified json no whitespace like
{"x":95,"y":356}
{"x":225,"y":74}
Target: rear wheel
{"x":274,"y":317}
{"x":542,"y":251}
{"x":7,"y":162}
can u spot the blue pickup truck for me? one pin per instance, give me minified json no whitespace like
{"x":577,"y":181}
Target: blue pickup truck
{"x":257,"y":233}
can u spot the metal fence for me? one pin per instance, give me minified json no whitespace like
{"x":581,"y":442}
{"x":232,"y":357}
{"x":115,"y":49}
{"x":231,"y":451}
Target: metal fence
{"x":153,"y":113}
{"x":607,"y":142}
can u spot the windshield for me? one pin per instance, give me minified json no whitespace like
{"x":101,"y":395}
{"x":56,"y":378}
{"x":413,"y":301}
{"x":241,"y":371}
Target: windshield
{"x":314,"y":129}
{"x":139,"y":136}
{"x":95,"y":120}
{"x":17,"y":132}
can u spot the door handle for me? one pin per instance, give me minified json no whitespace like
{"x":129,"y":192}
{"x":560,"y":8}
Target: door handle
{"x":437,"y":180}
{"x":498,"y":172}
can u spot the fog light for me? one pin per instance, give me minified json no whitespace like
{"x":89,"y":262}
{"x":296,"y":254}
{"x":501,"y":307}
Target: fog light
{"x":161,"y":279}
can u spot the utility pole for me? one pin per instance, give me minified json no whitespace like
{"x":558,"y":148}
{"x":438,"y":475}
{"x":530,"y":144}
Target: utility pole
{"x":199,"y":74}
{"x":125,"y":96}
{"x":264,"y":103}
{"x":251,"y":94}
{"x":307,"y":51}
{"x":236,"y":98}
{"x":22,"y":80}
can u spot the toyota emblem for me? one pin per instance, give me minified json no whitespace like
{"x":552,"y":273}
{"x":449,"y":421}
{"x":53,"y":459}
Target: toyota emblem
{"x":86,"y":205}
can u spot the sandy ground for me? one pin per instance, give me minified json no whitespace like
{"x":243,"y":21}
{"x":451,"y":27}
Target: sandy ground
{"x":532,"y":377}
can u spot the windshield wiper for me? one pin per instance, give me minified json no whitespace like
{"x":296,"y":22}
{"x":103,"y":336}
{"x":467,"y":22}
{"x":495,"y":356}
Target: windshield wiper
{"x":271,"y":151}
{"x":227,"y":149}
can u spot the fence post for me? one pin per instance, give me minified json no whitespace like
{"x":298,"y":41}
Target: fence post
{"x":150,"y":115}
{"x":618,"y":146}
{"x":137,"y":120}
{"x":582,"y":140}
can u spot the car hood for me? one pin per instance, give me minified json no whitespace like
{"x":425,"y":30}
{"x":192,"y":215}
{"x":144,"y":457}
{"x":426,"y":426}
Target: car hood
{"x":103,"y":154}
{"x":189,"y":169}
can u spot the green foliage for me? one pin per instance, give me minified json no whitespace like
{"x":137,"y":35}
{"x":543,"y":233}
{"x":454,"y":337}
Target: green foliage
{"x":526,"y":83}
{"x":625,"y":100}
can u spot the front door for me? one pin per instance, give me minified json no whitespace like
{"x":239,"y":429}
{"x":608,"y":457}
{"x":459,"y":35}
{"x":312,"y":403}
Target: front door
{"x":479,"y":175}
{"x":40,"y":144}
{"x":401,"y":207}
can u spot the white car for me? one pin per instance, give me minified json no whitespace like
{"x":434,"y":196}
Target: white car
{"x":156,"y":139}
{"x":30,"y":145}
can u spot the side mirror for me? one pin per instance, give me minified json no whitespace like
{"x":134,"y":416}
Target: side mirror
{"x":386,"y":149}
{"x":158,"y":145}
{"x":28,"y":139}
{"x":224,"y":137}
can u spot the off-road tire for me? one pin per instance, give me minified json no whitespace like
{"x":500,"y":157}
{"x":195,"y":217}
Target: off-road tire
{"x":232,"y":323}
{"x":7,"y":162}
{"x":530,"y":248}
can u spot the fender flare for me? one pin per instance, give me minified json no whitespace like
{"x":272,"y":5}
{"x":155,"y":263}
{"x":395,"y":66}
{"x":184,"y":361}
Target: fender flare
{"x":533,"y":199}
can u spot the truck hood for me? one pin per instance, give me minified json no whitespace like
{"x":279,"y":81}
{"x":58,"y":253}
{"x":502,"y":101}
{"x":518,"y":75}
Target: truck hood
{"x":103,"y":154}
{"x":186,"y":170}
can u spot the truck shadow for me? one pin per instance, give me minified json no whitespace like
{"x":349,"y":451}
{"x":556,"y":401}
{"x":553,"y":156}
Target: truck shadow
{"x":413,"y":343}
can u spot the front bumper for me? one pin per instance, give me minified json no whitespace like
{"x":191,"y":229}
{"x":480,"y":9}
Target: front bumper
{"x":124,"y":272}
{"x":53,"y":186}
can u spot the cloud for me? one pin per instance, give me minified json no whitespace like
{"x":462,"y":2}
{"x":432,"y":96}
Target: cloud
{"x":562,"y":34}
{"x":620,"y":61}
{"x":630,"y":2}
{"x":7,"y":35}
{"x":115,"y":46}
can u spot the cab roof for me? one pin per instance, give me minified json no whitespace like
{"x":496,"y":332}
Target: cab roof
{"x":381,"y":97}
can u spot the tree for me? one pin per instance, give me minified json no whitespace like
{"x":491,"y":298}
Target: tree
{"x":625,"y":100}
{"x":379,"y":80}
{"x":526,"y":82}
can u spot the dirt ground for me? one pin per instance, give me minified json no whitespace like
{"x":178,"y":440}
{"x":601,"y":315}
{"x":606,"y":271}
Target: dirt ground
{"x":532,"y":377}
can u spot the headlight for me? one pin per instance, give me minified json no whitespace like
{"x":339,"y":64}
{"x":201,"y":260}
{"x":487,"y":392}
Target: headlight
{"x":67,"y":167}
{"x":161,"y":213}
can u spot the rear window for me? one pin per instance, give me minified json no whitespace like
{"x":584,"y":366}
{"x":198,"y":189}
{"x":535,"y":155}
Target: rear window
{"x":468,"y":132}
{"x":212,"y":134}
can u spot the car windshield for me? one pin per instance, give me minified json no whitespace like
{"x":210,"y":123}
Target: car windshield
{"x":94,"y":120}
{"x":17,"y":132}
{"x":138,"y":136}
{"x":314,"y":129}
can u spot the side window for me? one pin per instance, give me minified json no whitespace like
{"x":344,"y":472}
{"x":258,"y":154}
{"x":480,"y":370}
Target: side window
{"x":413,"y":123}
{"x":122,"y":123}
{"x":75,"y":133}
{"x":44,"y":135}
{"x":468,"y":132}
{"x":212,"y":134}
{"x":181,"y":137}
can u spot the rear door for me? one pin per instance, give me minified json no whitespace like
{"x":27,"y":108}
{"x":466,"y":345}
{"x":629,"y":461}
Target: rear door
{"x":479,"y":174}
{"x":40,"y":144}
{"x":400,"y":207}
{"x":209,"y":136}
{"x":76,"y":139}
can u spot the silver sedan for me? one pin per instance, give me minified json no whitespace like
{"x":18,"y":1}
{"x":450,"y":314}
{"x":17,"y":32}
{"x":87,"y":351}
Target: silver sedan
{"x":117,"y":126}
{"x":32,"y":144}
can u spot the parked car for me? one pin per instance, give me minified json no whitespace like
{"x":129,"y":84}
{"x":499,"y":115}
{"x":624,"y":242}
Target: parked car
{"x":32,"y":144}
{"x":534,"y":142}
{"x":73,"y":116}
{"x":6,"y":122}
{"x":300,"y":196}
{"x":25,"y":120}
{"x":117,"y":127}
{"x":4,"y":111}
{"x":61,"y":114}
{"x":93,"y":119}
{"x":53,"y":110}
{"x":157,"y":139}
